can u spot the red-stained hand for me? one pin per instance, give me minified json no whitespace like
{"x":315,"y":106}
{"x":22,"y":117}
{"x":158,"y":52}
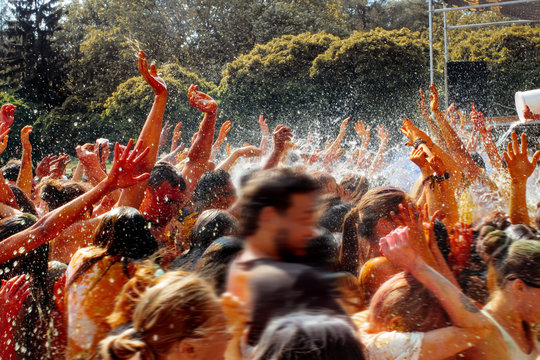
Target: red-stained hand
{"x":177,"y":133}
{"x":164,"y":134}
{"x":343,"y":127}
{"x":152,"y":77}
{"x":7,"y":114}
{"x":12,"y":295}
{"x":200,"y":100}
{"x":519,"y":166}
{"x":44,"y":167}
{"x":87,"y":158}
{"x":363,"y":132}
{"x":58,"y":166}
{"x":419,"y":157}
{"x":224,"y":130}
{"x":4,"y":131}
{"x":478,"y":119}
{"x":124,"y":165}
{"x":413,"y":133}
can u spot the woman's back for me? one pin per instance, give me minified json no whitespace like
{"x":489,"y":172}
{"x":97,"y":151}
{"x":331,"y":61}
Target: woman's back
{"x":91,"y":298}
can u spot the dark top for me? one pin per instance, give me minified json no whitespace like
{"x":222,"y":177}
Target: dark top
{"x":279,"y":288}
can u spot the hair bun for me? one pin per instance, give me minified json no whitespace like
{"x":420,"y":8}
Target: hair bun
{"x":495,"y":243}
{"x":121,"y":346}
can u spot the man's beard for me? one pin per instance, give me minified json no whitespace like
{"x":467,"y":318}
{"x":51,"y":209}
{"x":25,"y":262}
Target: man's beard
{"x":283,"y":249}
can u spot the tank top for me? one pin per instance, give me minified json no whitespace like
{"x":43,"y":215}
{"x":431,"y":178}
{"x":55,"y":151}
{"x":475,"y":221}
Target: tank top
{"x":514,"y":351}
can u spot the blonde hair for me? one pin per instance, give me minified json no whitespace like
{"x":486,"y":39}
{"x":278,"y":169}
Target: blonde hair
{"x":177,"y":307}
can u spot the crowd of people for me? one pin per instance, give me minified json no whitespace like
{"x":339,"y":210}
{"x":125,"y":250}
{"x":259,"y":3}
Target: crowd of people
{"x":161,"y":255}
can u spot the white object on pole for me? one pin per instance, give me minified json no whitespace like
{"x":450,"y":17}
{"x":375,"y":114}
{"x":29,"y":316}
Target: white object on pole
{"x":531,"y":98}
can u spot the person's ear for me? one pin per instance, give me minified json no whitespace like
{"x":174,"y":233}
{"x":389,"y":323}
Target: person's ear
{"x":186,"y":349}
{"x":518,"y":288}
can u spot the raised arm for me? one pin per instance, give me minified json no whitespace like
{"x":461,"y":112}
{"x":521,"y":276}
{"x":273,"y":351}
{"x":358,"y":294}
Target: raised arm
{"x":49,"y":226}
{"x":4,"y":131}
{"x":469,"y":325}
{"x":520,"y":169}
{"x":246,"y":151}
{"x":177,"y":134}
{"x":24,"y":180}
{"x":90,"y":161}
{"x":7,"y":114}
{"x":150,"y":133}
{"x":281,"y":135}
{"x":265,"y":132}
{"x":423,"y":109}
{"x":335,"y":146}
{"x":382,"y":135}
{"x":454,"y":144}
{"x":201,"y":148}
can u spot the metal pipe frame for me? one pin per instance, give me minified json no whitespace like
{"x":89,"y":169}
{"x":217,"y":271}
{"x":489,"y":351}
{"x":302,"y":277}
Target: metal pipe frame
{"x":469,"y":7}
{"x":490,"y":23}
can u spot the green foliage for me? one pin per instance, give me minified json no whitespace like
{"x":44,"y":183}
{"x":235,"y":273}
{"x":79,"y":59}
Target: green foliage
{"x":374,"y":75}
{"x":273,"y":79}
{"x":126,"y":109}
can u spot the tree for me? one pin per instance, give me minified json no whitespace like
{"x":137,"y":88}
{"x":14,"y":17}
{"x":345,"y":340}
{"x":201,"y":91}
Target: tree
{"x":30,"y":62}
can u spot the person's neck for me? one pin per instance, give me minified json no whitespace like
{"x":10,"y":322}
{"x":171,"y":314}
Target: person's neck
{"x":257,"y":247}
{"x":505,"y":312}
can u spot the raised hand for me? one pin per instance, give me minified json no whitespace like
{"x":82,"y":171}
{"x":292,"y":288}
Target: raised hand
{"x":177,"y":134}
{"x":382,"y":135}
{"x":343,"y":127}
{"x":419,"y":157}
{"x":452,"y":115}
{"x":12,"y":295}
{"x":281,"y":135}
{"x":223,"y":131}
{"x":58,"y":166}
{"x":164,"y":134}
{"x":478,"y":119}
{"x":519,"y":166}
{"x":201,"y":101}
{"x":397,"y":249}
{"x":413,"y":133}
{"x":124,"y":165}
{"x":152,"y":77}
{"x":265,"y":131}
{"x":363,"y":132}
{"x":87,"y":158}
{"x":44,"y":167}
{"x":25,"y":138}
{"x":7,"y":114}
{"x":4,"y":131}
{"x":434,"y":98}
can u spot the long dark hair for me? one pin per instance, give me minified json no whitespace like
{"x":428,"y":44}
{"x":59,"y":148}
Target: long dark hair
{"x":122,"y":232}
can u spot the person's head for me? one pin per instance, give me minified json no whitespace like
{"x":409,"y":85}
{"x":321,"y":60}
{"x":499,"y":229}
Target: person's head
{"x":354,"y":187}
{"x":122,"y":232}
{"x":327,"y":184}
{"x":164,"y":195}
{"x":10,"y":171}
{"x":520,"y":232}
{"x":213,"y":265}
{"x":332,"y":219}
{"x":210,"y":225}
{"x":278,"y":211}
{"x":214,"y":190}
{"x":178,"y":318}
{"x":404,"y":304}
{"x":374,"y":273}
{"x":304,"y":335}
{"x":25,"y":204}
{"x":366,"y":224}
{"x":515,"y":267}
{"x":56,"y":193}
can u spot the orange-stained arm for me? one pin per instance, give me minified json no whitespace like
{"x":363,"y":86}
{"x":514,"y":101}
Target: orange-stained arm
{"x":453,"y":142}
{"x":6,"y":194}
{"x":150,"y":133}
{"x":520,"y":169}
{"x":331,"y":152}
{"x":246,"y":151}
{"x":4,"y":131}
{"x":52,"y":224}
{"x":24,"y":179}
{"x":281,"y":135}
{"x":434,"y":129}
{"x":201,"y":149}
